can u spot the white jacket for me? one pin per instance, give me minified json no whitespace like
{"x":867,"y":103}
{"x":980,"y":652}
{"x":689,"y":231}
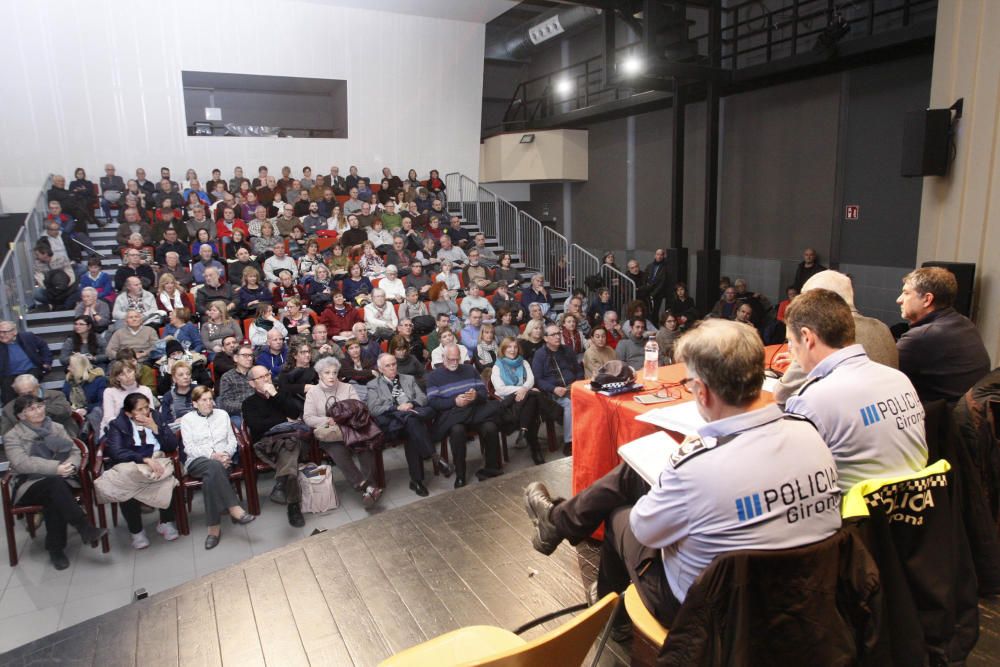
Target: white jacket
{"x":387,"y":319}
{"x":204,"y":436}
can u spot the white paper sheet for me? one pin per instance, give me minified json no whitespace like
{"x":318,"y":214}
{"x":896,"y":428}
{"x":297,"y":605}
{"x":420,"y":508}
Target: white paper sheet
{"x":681,"y":418}
{"x":649,"y":455}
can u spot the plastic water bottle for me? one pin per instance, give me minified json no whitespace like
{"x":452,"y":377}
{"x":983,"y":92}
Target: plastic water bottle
{"x":652,"y":359}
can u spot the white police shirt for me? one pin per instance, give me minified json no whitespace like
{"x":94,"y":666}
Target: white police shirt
{"x":758,"y":480}
{"x":869,"y":415}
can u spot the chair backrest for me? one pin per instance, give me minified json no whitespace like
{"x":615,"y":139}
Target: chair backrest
{"x":566,"y":645}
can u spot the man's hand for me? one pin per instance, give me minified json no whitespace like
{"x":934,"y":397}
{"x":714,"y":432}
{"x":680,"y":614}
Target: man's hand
{"x":270,"y":391}
{"x":405,"y":407}
{"x":560,"y":391}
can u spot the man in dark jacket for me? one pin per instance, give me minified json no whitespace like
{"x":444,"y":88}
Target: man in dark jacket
{"x":942,"y":353}
{"x":556,"y":368}
{"x":20,"y":353}
{"x":456,"y":391}
{"x":654,"y":288}
{"x":271,"y":419}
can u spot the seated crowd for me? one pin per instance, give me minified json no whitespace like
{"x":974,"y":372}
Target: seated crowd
{"x":253,"y":306}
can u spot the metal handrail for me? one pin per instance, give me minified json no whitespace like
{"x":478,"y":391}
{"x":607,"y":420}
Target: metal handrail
{"x":17,"y":279}
{"x":565,"y":265}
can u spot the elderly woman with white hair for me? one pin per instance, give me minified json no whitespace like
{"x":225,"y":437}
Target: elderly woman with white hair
{"x":56,"y":405}
{"x":329,"y":390}
{"x":393,"y":287}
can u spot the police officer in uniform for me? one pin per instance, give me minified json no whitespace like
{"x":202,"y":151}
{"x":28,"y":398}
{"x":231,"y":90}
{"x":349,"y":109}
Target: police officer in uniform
{"x":753,"y":478}
{"x":869,"y":414}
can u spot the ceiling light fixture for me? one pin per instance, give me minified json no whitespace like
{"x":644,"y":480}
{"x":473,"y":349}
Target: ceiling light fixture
{"x":632,"y":65}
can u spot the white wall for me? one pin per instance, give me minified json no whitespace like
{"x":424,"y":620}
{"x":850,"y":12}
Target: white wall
{"x":92,"y":81}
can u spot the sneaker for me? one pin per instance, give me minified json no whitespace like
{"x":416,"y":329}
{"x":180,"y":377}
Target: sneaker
{"x":168,"y":530}
{"x":139,"y":540}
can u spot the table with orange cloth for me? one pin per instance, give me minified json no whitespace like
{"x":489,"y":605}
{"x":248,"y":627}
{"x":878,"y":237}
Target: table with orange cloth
{"x":602,"y":424}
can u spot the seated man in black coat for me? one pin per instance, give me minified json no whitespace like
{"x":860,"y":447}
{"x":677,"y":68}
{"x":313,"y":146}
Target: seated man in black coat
{"x":274,"y":422}
{"x":458,"y":394}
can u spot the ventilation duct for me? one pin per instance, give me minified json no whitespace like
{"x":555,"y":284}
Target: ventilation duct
{"x":548,"y":25}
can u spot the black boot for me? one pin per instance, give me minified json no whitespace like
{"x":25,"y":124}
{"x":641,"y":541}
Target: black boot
{"x":539,"y":504}
{"x":536,"y":449}
{"x":295,"y":517}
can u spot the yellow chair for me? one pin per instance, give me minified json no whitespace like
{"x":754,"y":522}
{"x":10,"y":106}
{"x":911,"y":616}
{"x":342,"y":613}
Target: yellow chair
{"x":643,"y":622}
{"x":496,"y":647}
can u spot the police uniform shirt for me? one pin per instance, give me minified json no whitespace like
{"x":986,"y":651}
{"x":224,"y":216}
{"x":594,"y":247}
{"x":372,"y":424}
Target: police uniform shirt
{"x":870,"y":416}
{"x":758,"y":480}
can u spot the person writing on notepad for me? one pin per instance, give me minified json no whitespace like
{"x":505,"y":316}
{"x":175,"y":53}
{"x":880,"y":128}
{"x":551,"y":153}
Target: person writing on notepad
{"x":670,"y":532}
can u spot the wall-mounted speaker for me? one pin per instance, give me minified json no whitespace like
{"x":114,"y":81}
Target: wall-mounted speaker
{"x":965,"y":274}
{"x":926,"y":142}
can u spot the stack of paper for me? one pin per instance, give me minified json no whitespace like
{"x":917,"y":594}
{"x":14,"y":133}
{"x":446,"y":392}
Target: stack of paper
{"x":649,"y":455}
{"x":680,"y":418}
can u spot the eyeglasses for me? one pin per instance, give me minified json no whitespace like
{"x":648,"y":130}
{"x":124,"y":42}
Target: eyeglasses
{"x":672,"y":390}
{"x":260,"y":377}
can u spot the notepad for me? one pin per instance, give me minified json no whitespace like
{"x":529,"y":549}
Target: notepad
{"x":681,"y":418}
{"x":649,"y":455}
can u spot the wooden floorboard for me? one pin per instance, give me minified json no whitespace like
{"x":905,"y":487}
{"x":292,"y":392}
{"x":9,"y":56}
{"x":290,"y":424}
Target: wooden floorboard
{"x":359,"y":593}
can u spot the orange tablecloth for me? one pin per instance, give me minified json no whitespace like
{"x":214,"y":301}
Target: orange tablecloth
{"x":602,"y":424}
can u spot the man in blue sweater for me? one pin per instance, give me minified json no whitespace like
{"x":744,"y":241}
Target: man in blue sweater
{"x":458,"y":394}
{"x":555,"y":368}
{"x":20,"y":353}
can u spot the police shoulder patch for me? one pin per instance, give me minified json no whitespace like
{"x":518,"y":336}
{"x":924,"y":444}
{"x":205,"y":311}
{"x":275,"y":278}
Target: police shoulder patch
{"x":687,"y":450}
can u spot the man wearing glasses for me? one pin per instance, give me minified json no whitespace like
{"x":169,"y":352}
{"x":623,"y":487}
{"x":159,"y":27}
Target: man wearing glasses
{"x":720,"y":491}
{"x":234,"y":385}
{"x":274,"y":422}
{"x":20,"y":353}
{"x":556,"y":368}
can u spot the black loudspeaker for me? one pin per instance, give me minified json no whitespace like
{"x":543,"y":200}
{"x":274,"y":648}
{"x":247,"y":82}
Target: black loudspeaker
{"x":965,"y":274}
{"x":925,"y":142}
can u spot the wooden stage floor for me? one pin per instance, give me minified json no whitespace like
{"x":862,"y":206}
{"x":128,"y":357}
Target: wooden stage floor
{"x":360,"y":592}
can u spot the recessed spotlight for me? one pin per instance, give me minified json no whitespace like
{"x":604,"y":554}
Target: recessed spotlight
{"x":564,"y":86}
